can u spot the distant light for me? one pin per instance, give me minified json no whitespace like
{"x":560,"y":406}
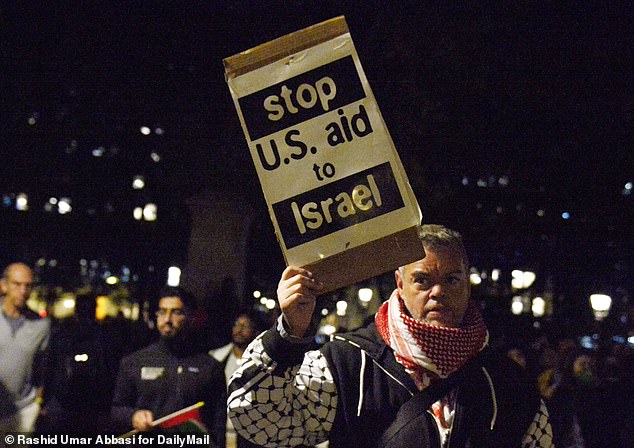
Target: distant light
{"x":155,"y":157}
{"x":328,"y":329}
{"x":565,"y":215}
{"x":342,"y":307}
{"x":150,"y":212}
{"x":270,"y":304}
{"x":522,"y":279}
{"x":138,"y":213}
{"x":541,"y":213}
{"x":628,"y":186}
{"x":503,"y":181}
{"x":630,"y":340}
{"x":495,"y":275}
{"x":53,"y":201}
{"x":538,"y":307}
{"x":63,"y":206}
{"x":465,"y":181}
{"x":68,"y":303}
{"x":257,"y":294}
{"x":32,"y":121}
{"x":601,"y":304}
{"x":365,"y":295}
{"x":499,"y":210}
{"x":81,"y":357}
{"x":475,"y":278}
{"x":145,"y":130}
{"x":588,"y":342}
{"x":159,"y":131}
{"x":52,"y":262}
{"x":324,"y":312}
{"x":22,"y":202}
{"x":173,"y":276}
{"x":517,"y":306}
{"x":138,"y":182}
{"x":482,"y":183}
{"x":98,"y":152}
{"x":264,"y":300}
{"x":627,"y":189}
{"x":112,"y":280}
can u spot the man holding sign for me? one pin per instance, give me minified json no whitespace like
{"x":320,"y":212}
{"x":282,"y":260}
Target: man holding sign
{"x":421,"y":375}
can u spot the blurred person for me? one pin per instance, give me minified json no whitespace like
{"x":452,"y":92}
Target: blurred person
{"x":517,"y":355}
{"x":421,"y":375}
{"x":171,"y":374}
{"x":24,"y":339}
{"x":246,"y":327}
{"x":80,"y":373}
{"x":558,"y":387}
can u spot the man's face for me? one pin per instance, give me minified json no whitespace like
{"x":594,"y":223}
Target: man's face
{"x":243,"y":331}
{"x":435,"y":289}
{"x":171,"y":317}
{"x":17,"y":285}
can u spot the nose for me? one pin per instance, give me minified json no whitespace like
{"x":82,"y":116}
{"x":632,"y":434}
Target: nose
{"x":437,"y":291}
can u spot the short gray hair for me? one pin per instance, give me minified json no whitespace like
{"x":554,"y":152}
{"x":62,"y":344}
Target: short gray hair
{"x":438,"y":237}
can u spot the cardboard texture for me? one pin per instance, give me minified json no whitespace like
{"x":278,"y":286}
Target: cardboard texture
{"x":336,"y":191}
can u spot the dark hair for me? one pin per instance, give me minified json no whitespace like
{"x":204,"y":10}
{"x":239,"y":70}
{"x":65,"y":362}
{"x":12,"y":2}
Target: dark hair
{"x":259,"y":320}
{"x":188,"y":299}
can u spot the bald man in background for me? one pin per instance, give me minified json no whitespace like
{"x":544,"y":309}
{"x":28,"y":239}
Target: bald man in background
{"x":23,"y":342}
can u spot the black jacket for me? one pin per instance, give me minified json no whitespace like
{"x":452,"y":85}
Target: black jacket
{"x":495,"y":401}
{"x":160,"y":379}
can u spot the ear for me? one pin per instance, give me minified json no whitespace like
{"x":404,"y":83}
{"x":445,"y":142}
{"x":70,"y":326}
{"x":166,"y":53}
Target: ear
{"x":398,"y":277}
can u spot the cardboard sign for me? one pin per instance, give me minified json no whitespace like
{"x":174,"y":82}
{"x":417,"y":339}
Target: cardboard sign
{"x":335,"y":187}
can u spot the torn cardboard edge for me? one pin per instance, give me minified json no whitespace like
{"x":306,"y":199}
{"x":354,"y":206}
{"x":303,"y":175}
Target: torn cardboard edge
{"x":369,"y":260}
{"x":287,"y":45}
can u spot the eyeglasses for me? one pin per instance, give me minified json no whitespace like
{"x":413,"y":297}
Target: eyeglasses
{"x":167,"y":313}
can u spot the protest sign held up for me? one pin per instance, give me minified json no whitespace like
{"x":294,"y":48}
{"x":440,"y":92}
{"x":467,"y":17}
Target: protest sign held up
{"x":335,"y":187}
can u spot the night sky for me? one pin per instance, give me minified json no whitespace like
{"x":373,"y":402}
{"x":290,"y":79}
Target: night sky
{"x":533,"y":100}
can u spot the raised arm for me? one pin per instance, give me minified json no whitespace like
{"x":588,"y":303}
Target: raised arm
{"x":297,"y":294}
{"x":283,"y":394}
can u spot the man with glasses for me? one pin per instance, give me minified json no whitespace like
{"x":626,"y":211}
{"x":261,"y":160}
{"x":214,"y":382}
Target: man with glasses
{"x":171,"y":374}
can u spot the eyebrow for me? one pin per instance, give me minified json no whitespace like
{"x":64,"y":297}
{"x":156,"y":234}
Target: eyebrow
{"x":427,"y":274}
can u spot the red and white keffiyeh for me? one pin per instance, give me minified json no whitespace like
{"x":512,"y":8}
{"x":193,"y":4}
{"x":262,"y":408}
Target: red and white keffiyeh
{"x":426,"y":351}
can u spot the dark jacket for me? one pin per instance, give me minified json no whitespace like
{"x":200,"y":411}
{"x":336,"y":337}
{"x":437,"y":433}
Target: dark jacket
{"x":495,"y":402}
{"x":352,"y":392}
{"x":164,"y":380}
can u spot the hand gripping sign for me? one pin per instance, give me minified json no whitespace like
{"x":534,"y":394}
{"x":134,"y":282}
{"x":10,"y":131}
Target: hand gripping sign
{"x":335,"y":187}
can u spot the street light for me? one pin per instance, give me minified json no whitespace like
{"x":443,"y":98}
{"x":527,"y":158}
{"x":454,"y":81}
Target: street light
{"x":601,"y":304}
{"x":522,"y":279}
{"x":538,"y":307}
{"x":365,"y":296}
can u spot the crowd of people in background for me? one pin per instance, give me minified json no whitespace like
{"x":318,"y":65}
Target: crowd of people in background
{"x":45,"y":387}
{"x":587,"y":390}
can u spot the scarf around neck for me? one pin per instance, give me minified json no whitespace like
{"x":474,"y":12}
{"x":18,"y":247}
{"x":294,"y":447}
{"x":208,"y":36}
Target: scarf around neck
{"x":429,"y":352}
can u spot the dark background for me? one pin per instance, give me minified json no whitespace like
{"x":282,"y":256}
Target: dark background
{"x":505,"y":117}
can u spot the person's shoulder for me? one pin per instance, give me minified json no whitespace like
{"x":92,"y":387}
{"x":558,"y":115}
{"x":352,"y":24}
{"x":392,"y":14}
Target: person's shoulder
{"x":204,"y":359}
{"x":35,"y":320}
{"x":150,"y":352}
{"x":506,"y":373}
{"x":364,"y":338}
{"x":31,"y":315}
{"x":221,"y":353}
